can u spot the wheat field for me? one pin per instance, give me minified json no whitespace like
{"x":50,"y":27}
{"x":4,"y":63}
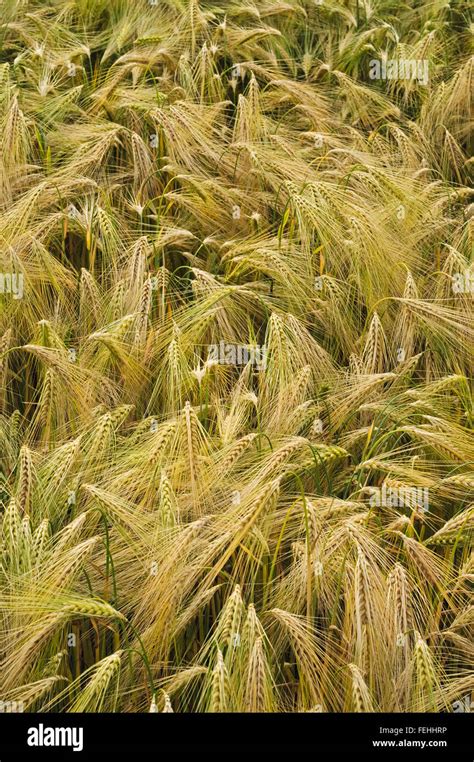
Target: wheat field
{"x":236,"y":354}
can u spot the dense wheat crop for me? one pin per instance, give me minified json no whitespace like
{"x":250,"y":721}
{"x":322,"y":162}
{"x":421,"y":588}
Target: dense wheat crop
{"x":184,"y":524}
